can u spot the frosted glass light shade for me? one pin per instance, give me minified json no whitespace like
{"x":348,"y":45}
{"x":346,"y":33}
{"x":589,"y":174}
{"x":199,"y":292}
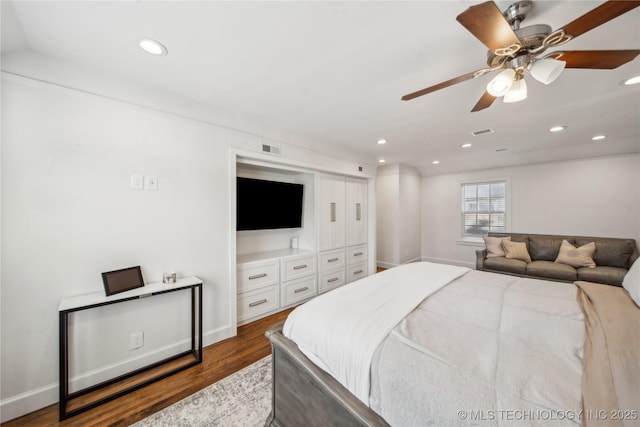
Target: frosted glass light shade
{"x":500,"y":84}
{"x":547,"y":70}
{"x":518,"y":92}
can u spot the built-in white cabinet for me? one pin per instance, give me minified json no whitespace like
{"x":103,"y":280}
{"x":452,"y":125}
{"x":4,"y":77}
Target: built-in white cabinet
{"x":270,"y":281}
{"x":331,"y":211}
{"x":328,"y":251}
{"x":356,"y":211}
{"x":343,"y":230}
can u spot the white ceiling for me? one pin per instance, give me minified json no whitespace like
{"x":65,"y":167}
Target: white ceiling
{"x":335,"y":71}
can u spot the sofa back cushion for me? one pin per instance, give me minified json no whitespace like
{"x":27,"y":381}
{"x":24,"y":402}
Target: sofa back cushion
{"x":610,"y":252}
{"x":545,"y":248}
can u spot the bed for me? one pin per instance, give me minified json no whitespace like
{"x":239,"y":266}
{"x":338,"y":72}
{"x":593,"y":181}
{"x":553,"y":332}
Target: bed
{"x":434,"y":344}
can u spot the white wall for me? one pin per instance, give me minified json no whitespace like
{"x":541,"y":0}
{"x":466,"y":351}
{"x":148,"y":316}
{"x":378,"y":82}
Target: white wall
{"x":387,"y":205}
{"x":69,"y":147}
{"x":590,"y":197}
{"x":410,"y":214}
{"x":398,"y":215}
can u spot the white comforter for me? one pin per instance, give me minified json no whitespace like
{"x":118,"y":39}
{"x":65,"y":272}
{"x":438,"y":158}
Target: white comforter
{"x":340,"y":330}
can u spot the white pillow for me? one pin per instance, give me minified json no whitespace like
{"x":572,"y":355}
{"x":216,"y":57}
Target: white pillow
{"x":631,"y":282}
{"x":494,"y":245}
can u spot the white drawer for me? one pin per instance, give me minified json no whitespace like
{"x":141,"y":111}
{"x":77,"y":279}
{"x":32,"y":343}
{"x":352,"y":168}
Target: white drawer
{"x":356,"y":254}
{"x":298,"y":266}
{"x":357,"y":271}
{"x":331,"y":260}
{"x":330,"y":280}
{"x":255,"y":303}
{"x":298,"y":290}
{"x":256,"y":275}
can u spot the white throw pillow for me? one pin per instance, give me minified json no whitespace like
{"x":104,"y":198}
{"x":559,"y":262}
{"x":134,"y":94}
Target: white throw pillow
{"x":631,"y":282}
{"x":494,"y":246}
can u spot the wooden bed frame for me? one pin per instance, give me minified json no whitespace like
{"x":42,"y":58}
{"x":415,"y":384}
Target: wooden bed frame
{"x":304,"y":394}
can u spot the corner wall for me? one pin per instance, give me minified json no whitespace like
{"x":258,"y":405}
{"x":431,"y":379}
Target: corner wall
{"x":589,"y":197}
{"x":69,"y":148}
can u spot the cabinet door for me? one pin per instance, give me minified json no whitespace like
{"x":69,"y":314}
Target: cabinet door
{"x":331,"y":211}
{"x":356,"y":211}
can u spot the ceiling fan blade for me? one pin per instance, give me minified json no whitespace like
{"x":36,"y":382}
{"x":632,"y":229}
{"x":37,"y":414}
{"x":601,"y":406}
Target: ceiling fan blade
{"x":596,"y":59}
{"x":440,"y":86}
{"x":598,"y":16}
{"x":485,"y":21}
{"x":485,"y":102}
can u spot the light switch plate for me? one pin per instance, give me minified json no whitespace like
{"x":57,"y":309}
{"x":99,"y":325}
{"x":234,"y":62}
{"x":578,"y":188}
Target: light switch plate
{"x":151,"y":183}
{"x":137,"y":182}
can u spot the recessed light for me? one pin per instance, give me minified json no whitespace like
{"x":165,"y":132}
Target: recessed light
{"x":467,"y":145}
{"x":632,"y":81}
{"x":382,"y":141}
{"x":435,"y":162}
{"x":557,"y":129}
{"x":381,"y":161}
{"x":598,"y":137}
{"x":152,"y":47}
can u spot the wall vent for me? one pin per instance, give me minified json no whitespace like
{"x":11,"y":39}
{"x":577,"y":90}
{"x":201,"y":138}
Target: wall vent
{"x":481,"y":132}
{"x":270,"y":149}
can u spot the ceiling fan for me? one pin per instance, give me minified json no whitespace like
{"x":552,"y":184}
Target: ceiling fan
{"x":518,"y":50}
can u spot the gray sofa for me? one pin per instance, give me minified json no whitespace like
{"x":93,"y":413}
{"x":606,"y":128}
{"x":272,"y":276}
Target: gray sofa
{"x":613,"y":258}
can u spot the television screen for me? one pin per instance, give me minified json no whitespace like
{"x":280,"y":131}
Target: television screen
{"x":263,"y":205}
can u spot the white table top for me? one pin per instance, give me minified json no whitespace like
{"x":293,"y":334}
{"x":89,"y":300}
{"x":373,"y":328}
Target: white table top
{"x":100,"y":297}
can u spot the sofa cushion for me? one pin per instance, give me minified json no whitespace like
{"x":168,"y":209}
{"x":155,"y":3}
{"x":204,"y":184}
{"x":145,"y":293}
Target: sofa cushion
{"x":505,"y":264}
{"x":516,"y":250}
{"x":576,"y":257}
{"x":544,"y":248}
{"x":602,"y":274}
{"x":494,"y":246}
{"x":552,"y":270}
{"x":610,"y":252}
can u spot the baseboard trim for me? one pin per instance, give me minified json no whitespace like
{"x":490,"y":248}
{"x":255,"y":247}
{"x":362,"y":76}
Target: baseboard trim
{"x":32,"y":400}
{"x":450,"y":261}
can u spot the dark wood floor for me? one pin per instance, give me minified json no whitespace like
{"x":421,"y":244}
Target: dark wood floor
{"x":219,"y":361}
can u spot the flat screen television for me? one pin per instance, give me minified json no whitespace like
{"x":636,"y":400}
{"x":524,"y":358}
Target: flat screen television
{"x":265,"y":205}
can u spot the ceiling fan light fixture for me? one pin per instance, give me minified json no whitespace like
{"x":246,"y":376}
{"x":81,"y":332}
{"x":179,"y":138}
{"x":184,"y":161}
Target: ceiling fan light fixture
{"x":518,"y":92}
{"x":547,"y":70}
{"x":500,"y":84}
{"x":632,"y":81}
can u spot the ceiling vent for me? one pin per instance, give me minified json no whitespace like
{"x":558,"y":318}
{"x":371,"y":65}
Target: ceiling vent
{"x":481,"y":132}
{"x":270,"y":149}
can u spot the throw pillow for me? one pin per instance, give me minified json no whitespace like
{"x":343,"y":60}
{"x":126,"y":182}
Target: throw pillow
{"x":576,"y":257}
{"x":631,"y":282}
{"x":494,"y":245}
{"x":516,"y":250}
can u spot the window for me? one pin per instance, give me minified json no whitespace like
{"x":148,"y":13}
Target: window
{"x":484,"y":208}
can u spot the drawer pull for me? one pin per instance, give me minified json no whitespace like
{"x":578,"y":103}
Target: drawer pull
{"x":358,"y":272}
{"x":357,"y":253}
{"x":298,"y":267}
{"x":257,"y":276}
{"x":253,"y":304}
{"x":333,"y":259}
{"x":300,"y":290}
{"x":334,"y":279}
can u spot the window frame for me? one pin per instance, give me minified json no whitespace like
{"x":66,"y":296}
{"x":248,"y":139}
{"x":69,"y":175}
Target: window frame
{"x":478,"y":241}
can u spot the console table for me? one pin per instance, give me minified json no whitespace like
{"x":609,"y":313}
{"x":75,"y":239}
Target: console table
{"x":86,"y":302}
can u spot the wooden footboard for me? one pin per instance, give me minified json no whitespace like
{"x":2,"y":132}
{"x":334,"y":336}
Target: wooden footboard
{"x":305,"y":395}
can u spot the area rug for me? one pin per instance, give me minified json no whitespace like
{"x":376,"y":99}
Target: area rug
{"x":241,"y":399}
